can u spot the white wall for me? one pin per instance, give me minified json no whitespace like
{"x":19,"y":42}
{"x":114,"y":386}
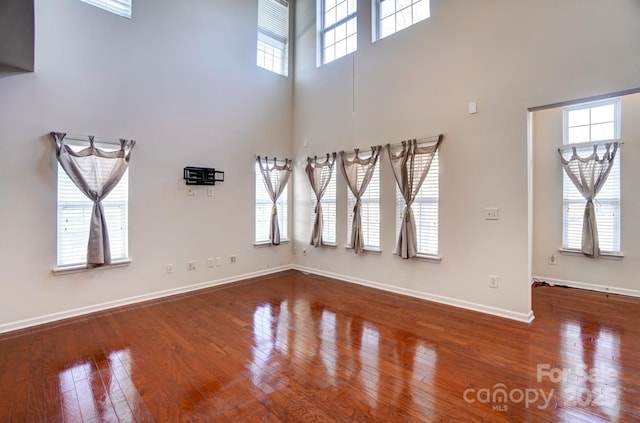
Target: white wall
{"x":181,"y":79}
{"x":605,"y":273}
{"x":508,"y":56}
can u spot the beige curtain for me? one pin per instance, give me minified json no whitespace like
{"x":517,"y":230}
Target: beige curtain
{"x":589,"y":174}
{"x":357,"y":173}
{"x":410,"y":162}
{"x":275,"y":178}
{"x":319,"y":174}
{"x":95,"y":172}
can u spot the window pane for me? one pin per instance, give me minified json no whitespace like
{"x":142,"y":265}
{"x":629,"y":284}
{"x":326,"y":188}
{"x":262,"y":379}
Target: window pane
{"x":393,"y":16}
{"x":602,"y":131}
{"x":603,"y":114}
{"x":578,"y":117}
{"x":579,"y":134}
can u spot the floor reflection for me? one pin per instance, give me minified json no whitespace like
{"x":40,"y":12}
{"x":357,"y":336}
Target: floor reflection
{"x":590,"y":374}
{"x":98,"y":389}
{"x":343,"y":353}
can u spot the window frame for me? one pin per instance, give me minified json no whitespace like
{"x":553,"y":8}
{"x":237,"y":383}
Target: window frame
{"x":421,"y":198}
{"x":377,"y":18}
{"x":323,"y":30}
{"x":264,"y":35}
{"x":366,"y":200}
{"x":578,"y":201}
{"x":283,"y":210}
{"x":87,"y":206}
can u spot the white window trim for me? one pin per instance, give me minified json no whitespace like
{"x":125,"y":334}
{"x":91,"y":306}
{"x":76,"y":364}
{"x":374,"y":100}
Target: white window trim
{"x":322,"y":30}
{"x":79,"y":268}
{"x":375,"y":20}
{"x":616,"y":101}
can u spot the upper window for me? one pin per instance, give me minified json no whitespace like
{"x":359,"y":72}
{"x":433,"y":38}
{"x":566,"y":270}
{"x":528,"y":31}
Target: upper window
{"x":369,"y":211}
{"x":425,"y":210}
{"x":585,"y":123}
{"x":339,"y":29}
{"x":273,"y":36}
{"x":328,"y":211}
{"x":119,"y":7}
{"x":264,"y":208}
{"x":74,"y":217}
{"x":392,"y":16}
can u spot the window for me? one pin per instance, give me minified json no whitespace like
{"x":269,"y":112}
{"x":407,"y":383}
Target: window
{"x":273,"y":36}
{"x":74,"y":214}
{"x":425,"y":210}
{"x":370,"y":210}
{"x":119,"y":7}
{"x":596,"y":121}
{"x":339,"y":29}
{"x":392,"y":16}
{"x":328,"y":211}
{"x":263,"y":210}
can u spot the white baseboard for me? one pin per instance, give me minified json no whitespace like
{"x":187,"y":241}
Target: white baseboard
{"x":23,"y":324}
{"x":590,"y":286}
{"x":508,"y":314}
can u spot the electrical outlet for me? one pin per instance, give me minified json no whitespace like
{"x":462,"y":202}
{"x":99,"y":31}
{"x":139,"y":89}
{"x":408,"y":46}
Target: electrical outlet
{"x":233,"y":259}
{"x":169,"y":269}
{"x":210,"y":262}
{"x":552,"y":259}
{"x":218,"y":261}
{"x":191,"y":265}
{"x":493,"y":281}
{"x":210,"y":191}
{"x":304,"y":251}
{"x":191,"y":191}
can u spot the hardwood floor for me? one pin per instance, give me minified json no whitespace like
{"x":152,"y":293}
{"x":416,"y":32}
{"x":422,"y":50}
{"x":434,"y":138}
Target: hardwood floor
{"x":295,"y":347}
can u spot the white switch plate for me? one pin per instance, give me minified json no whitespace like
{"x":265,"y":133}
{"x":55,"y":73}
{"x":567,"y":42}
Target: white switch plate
{"x":473,"y":108}
{"x":492,"y":213}
{"x":493,"y":281}
{"x":210,"y":262}
{"x":210,"y":191}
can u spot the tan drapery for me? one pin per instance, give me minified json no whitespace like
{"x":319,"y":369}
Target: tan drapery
{"x":275,"y":178}
{"x":95,"y":172}
{"x":410,"y":167}
{"x":319,"y":174}
{"x":589,"y":174}
{"x":351,"y":169}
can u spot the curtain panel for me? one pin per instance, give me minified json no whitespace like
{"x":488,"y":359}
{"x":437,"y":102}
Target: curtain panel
{"x":589,"y":174}
{"x":410,"y":162}
{"x":357,"y":173}
{"x":319,"y":175}
{"x":95,"y":172}
{"x":275,"y":177}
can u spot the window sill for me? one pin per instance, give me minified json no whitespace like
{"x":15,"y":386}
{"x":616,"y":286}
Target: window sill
{"x":422,"y":257}
{"x":368,"y":250}
{"x":327,"y":245}
{"x":78,"y":268}
{"x":608,"y":256}
{"x":268,"y":243}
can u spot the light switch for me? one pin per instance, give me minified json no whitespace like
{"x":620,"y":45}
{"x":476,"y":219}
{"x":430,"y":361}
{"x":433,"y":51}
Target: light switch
{"x":492,"y":213}
{"x":473,"y":108}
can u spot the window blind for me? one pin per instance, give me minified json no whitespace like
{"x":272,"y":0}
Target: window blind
{"x":74,"y":214}
{"x":328,"y":211}
{"x":425,"y":209}
{"x":273,"y":36}
{"x":119,"y":7}
{"x":263,"y":210}
{"x":370,"y":210}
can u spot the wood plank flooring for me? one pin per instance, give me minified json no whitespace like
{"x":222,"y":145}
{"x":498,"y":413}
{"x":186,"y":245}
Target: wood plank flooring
{"x":295,"y":347}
